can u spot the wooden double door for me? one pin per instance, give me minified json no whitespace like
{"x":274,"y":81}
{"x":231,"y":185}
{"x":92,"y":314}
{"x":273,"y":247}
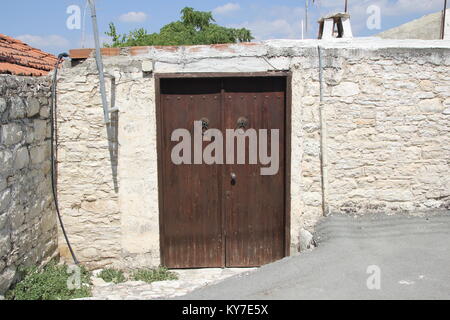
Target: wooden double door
{"x":221,"y":214}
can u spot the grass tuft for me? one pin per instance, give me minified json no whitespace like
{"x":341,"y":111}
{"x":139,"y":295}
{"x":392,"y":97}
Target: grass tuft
{"x":112,"y":275}
{"x":153,"y":275}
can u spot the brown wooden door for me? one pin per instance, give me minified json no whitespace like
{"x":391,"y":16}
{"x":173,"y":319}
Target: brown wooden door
{"x":254,"y":204}
{"x":191,"y":221}
{"x":209,"y":219}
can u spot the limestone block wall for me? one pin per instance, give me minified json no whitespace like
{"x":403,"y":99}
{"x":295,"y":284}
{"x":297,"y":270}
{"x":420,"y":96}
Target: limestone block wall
{"x":385,"y":117}
{"x":109,"y":203}
{"x":28,"y":230}
{"x":388,"y":131}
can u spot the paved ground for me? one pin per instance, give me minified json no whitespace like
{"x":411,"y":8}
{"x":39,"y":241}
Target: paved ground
{"x":188,"y":280}
{"x":411,"y":253}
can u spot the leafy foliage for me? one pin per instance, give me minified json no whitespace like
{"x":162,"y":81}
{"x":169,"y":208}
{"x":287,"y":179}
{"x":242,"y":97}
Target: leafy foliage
{"x":153,"y":275}
{"x":112,"y":275}
{"x":49,"y":283}
{"x":195,"y":27}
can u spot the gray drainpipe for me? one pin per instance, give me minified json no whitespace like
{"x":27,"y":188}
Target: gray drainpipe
{"x":112,"y":143}
{"x":323,"y":141}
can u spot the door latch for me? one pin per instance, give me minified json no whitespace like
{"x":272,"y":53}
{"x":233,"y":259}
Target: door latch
{"x":233,"y":178}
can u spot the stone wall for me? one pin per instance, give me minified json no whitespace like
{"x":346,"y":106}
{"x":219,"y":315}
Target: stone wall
{"x":111,"y":214}
{"x":388,"y":131}
{"x":386,"y":142}
{"x":28,"y":232}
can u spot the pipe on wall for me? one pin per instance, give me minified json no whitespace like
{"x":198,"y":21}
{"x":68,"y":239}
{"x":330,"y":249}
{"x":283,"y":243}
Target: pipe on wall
{"x":323,"y":140}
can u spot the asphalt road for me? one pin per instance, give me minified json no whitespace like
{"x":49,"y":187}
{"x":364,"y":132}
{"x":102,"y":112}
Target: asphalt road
{"x":401,"y":257}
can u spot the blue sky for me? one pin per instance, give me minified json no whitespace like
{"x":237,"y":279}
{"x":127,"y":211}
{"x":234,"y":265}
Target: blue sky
{"x":43,"y":23}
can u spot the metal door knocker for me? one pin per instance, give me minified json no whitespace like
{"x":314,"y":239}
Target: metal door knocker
{"x":242,"y":123}
{"x":205,"y":124}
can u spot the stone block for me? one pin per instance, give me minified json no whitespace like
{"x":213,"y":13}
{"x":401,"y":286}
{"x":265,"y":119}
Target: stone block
{"x":431,"y":105}
{"x":18,"y":108}
{"x":5,"y":161}
{"x":33,"y":107}
{"x":5,"y":198}
{"x":16,"y":217}
{"x":346,"y":89}
{"x":39,"y":154}
{"x":147,"y":66}
{"x":21,"y":158}
{"x":2,"y":105}
{"x":3,"y":183}
{"x":48,"y":222}
{"x":11,"y":133}
{"x":306,"y":240}
{"x":44,"y":112}
{"x":5,"y":245}
{"x":3,"y":219}
{"x":395,"y":195}
{"x":312,"y":199}
{"x":40,"y":130}
{"x":6,"y":279}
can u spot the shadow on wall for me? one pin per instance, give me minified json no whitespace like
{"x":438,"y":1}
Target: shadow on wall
{"x":113,"y":135}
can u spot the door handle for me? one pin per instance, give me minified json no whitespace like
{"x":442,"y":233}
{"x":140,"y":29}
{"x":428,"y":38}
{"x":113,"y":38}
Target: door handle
{"x":233,"y":178}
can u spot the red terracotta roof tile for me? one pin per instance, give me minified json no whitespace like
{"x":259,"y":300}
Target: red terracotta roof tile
{"x":86,"y":53}
{"x":19,"y":58}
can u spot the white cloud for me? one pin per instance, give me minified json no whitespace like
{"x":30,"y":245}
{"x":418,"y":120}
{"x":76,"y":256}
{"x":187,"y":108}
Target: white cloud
{"x":271,"y":22}
{"x":403,"y":7}
{"x":388,"y":7}
{"x":89,"y":41}
{"x":227,"y":8}
{"x":39,"y":42}
{"x":391,"y":10}
{"x":275,"y":23}
{"x":271,"y":29}
{"x":133,"y":17}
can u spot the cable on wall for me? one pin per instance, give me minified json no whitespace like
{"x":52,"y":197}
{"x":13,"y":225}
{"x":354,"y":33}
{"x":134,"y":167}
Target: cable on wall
{"x":53,"y":156}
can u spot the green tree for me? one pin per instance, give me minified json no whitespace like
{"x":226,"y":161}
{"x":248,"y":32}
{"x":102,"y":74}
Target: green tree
{"x":195,"y":27}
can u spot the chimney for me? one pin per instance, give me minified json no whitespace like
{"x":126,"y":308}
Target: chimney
{"x":336,"y":25}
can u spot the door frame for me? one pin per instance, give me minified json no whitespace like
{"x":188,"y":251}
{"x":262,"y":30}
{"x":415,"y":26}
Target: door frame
{"x":288,"y":128}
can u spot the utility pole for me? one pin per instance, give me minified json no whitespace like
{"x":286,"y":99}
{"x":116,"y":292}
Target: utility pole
{"x":306,"y":17}
{"x":303,"y":31}
{"x":346,"y":6}
{"x":444,"y":16}
{"x":99,"y":60}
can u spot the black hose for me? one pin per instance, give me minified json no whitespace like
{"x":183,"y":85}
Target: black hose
{"x":53,"y":157}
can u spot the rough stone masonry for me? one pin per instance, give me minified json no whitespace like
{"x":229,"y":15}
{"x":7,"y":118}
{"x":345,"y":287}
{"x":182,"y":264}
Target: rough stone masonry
{"x":28,"y":231}
{"x":386,"y":136}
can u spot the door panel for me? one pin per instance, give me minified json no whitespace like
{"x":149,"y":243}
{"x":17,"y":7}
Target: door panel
{"x":192,"y":222}
{"x":254,"y":206}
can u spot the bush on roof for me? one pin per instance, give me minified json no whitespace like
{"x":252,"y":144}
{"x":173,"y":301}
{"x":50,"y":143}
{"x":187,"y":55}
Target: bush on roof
{"x":194,"y":28}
